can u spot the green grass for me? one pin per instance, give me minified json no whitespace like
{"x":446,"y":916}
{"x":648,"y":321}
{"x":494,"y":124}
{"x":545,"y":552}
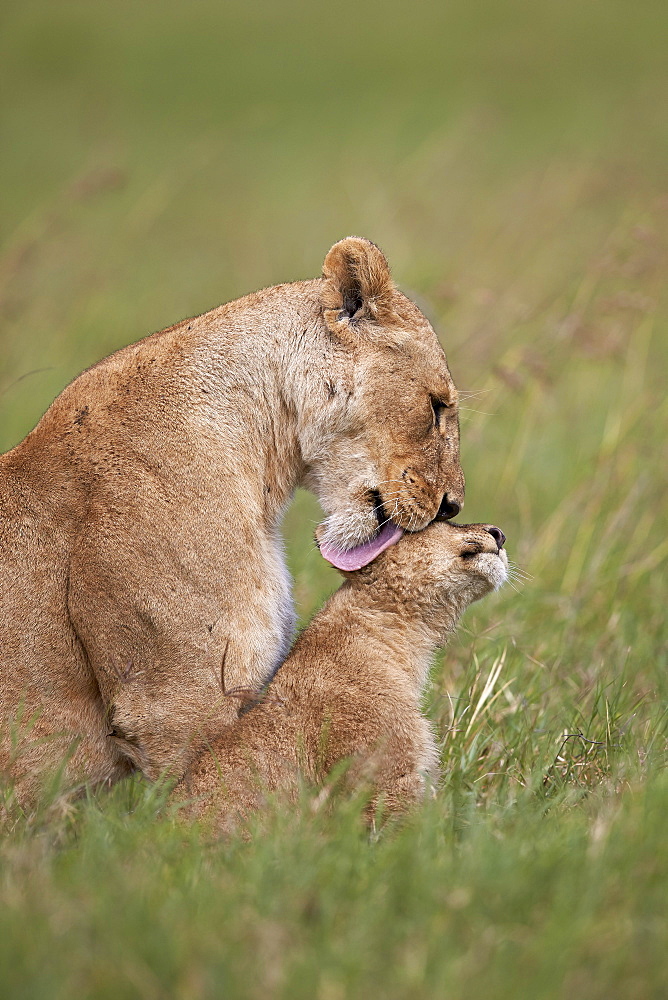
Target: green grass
{"x":510,"y":159}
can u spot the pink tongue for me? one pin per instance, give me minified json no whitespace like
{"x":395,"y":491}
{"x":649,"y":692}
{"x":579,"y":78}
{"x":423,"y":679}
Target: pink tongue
{"x":350,"y":559}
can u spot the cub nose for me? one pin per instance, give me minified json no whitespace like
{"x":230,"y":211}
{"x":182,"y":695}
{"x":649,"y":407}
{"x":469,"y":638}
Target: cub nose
{"x":496,"y":534}
{"x":449,"y":508}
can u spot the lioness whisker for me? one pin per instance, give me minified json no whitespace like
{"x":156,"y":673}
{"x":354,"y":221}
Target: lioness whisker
{"x":388,"y":519}
{"x":468,"y":394}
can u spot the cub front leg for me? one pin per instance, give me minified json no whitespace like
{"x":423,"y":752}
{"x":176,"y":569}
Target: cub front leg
{"x":405,"y":768}
{"x":391,"y":748}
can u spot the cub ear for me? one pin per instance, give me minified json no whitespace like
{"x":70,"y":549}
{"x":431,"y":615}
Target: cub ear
{"x":357,"y":285}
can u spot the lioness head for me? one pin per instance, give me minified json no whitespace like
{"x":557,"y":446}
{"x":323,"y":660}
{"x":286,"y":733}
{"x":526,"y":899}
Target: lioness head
{"x":388,"y":413}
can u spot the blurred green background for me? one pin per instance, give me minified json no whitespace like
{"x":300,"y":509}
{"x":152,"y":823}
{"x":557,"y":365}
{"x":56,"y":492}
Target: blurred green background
{"x":510,"y":159}
{"x":159,"y":159}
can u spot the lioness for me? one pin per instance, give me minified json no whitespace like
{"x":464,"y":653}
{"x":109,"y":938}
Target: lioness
{"x":139,"y":521}
{"x":351,"y":686}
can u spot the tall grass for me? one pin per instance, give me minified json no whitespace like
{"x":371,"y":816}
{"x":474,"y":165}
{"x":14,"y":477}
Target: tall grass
{"x":510,"y":159}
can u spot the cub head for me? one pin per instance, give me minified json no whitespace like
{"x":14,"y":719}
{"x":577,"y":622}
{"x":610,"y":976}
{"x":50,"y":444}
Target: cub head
{"x":444,"y":568}
{"x":386,"y":418}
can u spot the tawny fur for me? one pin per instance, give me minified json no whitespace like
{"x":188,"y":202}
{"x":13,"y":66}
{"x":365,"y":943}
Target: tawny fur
{"x":139,"y":521}
{"x":352,"y":685}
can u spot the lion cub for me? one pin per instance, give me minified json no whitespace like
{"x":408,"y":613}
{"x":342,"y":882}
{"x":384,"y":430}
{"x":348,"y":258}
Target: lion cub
{"x":351,"y":686}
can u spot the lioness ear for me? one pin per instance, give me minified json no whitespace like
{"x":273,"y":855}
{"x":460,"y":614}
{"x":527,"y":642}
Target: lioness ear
{"x":357,"y":285}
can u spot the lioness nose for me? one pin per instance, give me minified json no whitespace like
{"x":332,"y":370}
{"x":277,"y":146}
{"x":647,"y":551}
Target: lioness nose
{"x":449,"y":508}
{"x":497,"y":535}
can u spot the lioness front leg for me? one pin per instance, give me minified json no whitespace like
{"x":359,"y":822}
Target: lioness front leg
{"x":157,"y":650}
{"x":163,"y":727}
